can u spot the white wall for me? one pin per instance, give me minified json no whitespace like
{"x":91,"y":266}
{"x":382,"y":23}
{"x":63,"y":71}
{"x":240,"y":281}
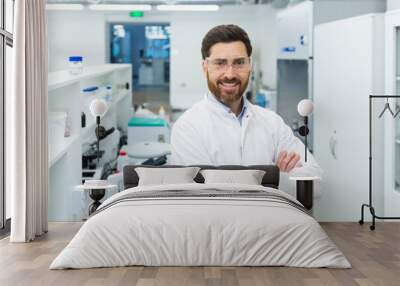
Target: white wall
{"x":331,"y":10}
{"x":75,"y":33}
{"x":84,"y":33}
{"x":393,"y":4}
{"x":187,"y":81}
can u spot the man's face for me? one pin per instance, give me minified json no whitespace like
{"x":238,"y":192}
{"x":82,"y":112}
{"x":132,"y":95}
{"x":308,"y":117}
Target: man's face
{"x":227,"y":70}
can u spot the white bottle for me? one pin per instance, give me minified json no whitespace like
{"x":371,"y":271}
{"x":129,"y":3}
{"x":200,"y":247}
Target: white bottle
{"x":122,"y":161}
{"x":161,"y":112}
{"x":163,"y":115}
{"x":109,"y":95}
{"x":67,"y":130}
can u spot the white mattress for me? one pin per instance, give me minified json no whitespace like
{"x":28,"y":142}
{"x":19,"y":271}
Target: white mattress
{"x":200,"y":231}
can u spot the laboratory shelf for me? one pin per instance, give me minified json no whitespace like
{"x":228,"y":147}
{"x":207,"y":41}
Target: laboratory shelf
{"x":66,"y":102}
{"x":64,"y":78}
{"x":57,"y":151}
{"x":120,"y":96}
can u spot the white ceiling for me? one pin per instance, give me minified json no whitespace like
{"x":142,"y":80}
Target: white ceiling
{"x":219,"y":2}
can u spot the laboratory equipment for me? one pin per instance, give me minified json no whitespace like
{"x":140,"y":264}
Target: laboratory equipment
{"x":98,"y":108}
{"x":148,"y":129}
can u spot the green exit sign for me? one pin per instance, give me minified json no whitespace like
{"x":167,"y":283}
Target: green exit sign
{"x":136,"y":14}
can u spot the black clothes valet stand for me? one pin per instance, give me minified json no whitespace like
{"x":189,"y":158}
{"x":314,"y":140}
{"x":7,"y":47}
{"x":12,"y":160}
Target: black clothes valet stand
{"x":394,"y":114}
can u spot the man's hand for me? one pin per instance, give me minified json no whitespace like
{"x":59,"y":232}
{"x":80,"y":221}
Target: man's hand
{"x":287,"y":161}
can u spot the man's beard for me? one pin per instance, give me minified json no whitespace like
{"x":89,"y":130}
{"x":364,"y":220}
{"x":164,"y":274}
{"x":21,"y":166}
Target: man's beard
{"x":227,"y":98}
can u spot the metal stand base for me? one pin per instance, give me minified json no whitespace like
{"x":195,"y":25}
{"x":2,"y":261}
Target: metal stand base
{"x":374,"y":216}
{"x":96,"y":195}
{"x":304,"y":193}
{"x":372,"y":210}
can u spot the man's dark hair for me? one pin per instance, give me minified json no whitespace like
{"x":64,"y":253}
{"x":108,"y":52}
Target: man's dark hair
{"x":224,"y":34}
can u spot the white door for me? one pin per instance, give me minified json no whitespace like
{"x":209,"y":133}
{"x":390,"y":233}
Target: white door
{"x":392,"y":127}
{"x":343,"y":80}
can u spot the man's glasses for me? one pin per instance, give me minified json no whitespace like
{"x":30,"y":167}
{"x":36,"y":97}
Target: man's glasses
{"x":222,"y":65}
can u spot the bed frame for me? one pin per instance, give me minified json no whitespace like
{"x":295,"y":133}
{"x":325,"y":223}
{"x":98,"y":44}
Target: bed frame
{"x":270,"y":179}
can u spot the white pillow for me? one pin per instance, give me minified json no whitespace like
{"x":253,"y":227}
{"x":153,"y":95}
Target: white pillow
{"x":248,"y":177}
{"x":165,"y":176}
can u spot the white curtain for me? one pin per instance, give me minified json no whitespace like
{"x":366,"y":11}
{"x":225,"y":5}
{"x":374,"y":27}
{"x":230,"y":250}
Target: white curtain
{"x":27,"y":154}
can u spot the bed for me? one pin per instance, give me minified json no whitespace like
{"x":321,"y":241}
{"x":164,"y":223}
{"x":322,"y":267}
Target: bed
{"x":201,"y":224}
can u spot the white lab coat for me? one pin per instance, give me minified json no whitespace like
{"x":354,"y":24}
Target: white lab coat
{"x":210,"y":134}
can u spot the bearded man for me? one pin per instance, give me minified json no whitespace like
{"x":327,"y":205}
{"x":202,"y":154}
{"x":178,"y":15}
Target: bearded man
{"x":225,"y":128}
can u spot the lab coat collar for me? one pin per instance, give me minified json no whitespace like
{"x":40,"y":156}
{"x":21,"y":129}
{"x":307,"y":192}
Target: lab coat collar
{"x":215,"y":102}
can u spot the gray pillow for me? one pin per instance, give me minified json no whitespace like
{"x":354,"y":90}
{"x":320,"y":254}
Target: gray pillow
{"x":248,"y":177}
{"x":165,"y":176}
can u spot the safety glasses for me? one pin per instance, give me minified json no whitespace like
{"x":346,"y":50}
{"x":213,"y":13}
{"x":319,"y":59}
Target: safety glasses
{"x":242,"y":64}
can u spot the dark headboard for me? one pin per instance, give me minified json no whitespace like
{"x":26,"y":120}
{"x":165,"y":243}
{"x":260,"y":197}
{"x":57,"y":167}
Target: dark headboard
{"x":270,"y":179}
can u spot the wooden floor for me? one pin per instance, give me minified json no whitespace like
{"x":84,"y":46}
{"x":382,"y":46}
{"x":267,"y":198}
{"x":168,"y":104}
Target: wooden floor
{"x":375,"y":256}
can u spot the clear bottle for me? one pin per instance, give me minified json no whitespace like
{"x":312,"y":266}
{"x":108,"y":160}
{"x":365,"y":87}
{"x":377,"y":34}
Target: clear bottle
{"x":122,"y":161}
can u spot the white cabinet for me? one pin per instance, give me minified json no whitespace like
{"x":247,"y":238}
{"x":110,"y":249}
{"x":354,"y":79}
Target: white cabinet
{"x":65,"y":153}
{"x":296,"y":24}
{"x":348,"y":67}
{"x":294,"y":27}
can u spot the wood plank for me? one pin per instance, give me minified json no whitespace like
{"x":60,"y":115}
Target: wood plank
{"x":375,"y":257}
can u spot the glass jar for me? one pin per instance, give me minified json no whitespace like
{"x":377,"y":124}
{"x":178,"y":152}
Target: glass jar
{"x":75,"y":65}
